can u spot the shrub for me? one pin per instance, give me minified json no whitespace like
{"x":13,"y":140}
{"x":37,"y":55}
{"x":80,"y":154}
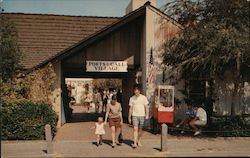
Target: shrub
{"x":25,"y":120}
{"x":235,"y":126}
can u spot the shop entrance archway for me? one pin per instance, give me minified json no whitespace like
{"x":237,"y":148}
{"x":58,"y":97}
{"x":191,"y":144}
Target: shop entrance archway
{"x":90,"y":89}
{"x":127,"y":78}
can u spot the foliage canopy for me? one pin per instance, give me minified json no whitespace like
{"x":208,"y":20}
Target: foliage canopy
{"x":214,"y":43}
{"x":215,"y":38}
{"x":9,"y":52}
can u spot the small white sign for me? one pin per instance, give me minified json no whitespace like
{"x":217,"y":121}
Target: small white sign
{"x":106,"y":66}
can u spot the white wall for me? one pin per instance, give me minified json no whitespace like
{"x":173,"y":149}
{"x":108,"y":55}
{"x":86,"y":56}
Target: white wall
{"x":223,"y":103}
{"x":56,"y":97}
{"x":158,"y":28}
{"x":135,"y":4}
{"x":246,"y":98}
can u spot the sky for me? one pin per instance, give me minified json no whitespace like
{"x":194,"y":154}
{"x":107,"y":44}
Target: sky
{"x":114,"y":8}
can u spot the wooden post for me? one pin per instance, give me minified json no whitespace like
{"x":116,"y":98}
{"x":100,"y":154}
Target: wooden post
{"x":48,"y":135}
{"x":164,"y":134}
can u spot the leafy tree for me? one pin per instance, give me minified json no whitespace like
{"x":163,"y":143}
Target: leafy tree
{"x":37,"y":85}
{"x":41,"y":84}
{"x":10,"y":54}
{"x":214,"y":41}
{"x":107,"y":83}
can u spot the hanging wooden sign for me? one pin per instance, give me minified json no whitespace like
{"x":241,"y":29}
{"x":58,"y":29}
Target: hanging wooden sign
{"x":106,"y":66}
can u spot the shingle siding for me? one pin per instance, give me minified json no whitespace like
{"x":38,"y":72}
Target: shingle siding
{"x":43,"y":36}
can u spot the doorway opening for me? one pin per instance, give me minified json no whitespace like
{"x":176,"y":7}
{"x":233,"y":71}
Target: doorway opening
{"x":88,"y":97}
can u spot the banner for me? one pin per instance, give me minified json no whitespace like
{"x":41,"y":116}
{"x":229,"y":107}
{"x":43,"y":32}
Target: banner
{"x":106,"y":66}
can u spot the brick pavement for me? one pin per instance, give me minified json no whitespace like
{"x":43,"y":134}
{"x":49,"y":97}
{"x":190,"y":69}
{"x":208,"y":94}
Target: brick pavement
{"x":80,"y":127}
{"x":76,"y":140}
{"x":176,"y":148}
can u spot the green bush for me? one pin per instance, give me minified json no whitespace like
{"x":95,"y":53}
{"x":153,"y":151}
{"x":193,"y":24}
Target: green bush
{"x":229,"y":126}
{"x":25,"y":120}
{"x":235,"y":126}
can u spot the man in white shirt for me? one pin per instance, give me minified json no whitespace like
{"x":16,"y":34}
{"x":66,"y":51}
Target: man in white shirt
{"x":199,"y":120}
{"x":139,"y":111}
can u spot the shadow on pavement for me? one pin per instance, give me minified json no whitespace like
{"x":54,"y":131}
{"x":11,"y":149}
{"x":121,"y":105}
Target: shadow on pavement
{"x":106,"y":141}
{"x":127,"y":142}
{"x":190,"y":134}
{"x":85,"y":117}
{"x":95,"y":143}
{"x":109,"y":142}
{"x":158,"y":149}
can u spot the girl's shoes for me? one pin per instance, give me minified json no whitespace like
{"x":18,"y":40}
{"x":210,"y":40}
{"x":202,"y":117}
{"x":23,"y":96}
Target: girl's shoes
{"x":113,"y":145}
{"x":134,"y":146}
{"x":97,"y":144}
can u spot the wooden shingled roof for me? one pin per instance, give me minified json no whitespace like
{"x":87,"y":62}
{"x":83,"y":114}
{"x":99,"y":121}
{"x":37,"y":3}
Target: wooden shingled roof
{"x":42,"y":36}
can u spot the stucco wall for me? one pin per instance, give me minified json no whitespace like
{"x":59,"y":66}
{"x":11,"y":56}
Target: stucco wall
{"x":135,"y":4}
{"x":56,"y":98}
{"x":159,"y":28}
{"x":223,"y":103}
{"x":157,"y":31}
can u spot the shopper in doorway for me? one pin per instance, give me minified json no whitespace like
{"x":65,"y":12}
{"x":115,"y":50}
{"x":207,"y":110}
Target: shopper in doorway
{"x":199,"y":120}
{"x":114,"y":114}
{"x":97,"y":98}
{"x":106,"y":98}
{"x":119,"y":96}
{"x":111,"y":93}
{"x":86,"y":101}
{"x":138,"y":111}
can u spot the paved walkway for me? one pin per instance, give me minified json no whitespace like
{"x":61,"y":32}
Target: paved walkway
{"x":80,"y":127}
{"x":176,"y":148}
{"x":76,"y":139}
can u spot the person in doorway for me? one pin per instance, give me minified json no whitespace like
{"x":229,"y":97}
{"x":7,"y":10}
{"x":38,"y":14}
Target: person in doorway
{"x":97,"y":98}
{"x":119,"y":96}
{"x":105,"y":99}
{"x":108,"y":95}
{"x":102,"y":94}
{"x":72,"y":101}
{"x":99,"y":131}
{"x":138,"y":111}
{"x":114,"y":114}
{"x":73,"y":90}
{"x":111,"y":94}
{"x":86,"y":101}
{"x":199,"y":120}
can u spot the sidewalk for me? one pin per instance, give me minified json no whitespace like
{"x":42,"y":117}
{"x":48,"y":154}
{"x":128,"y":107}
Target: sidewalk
{"x":79,"y":129}
{"x":75,"y":139}
{"x":176,"y":148}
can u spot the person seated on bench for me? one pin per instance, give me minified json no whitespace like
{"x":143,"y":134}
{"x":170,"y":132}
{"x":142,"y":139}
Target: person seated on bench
{"x":190,"y":115}
{"x":199,"y":120}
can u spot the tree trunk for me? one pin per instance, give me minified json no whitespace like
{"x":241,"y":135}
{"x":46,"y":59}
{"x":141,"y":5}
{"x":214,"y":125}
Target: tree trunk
{"x":209,"y":102}
{"x":234,"y":97}
{"x":237,"y":80}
